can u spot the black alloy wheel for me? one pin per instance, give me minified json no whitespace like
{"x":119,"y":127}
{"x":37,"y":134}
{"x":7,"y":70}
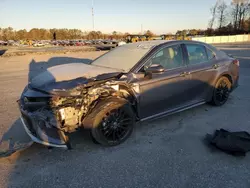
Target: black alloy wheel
{"x":222,"y":91}
{"x":114,"y":122}
{"x":116,"y":125}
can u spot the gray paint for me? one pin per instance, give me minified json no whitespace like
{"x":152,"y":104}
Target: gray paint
{"x":68,"y":72}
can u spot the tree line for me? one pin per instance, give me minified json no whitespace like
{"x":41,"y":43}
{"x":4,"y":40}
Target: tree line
{"x":226,"y":19}
{"x":60,"y":34}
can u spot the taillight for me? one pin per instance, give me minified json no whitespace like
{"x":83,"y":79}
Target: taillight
{"x":236,"y":62}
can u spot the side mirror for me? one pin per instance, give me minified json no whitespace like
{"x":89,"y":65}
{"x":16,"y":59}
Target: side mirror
{"x":154,"y":68}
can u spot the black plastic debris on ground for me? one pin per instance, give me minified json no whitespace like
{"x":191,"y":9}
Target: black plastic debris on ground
{"x":234,"y":143}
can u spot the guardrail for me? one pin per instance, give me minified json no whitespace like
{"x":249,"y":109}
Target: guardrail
{"x":223,"y":39}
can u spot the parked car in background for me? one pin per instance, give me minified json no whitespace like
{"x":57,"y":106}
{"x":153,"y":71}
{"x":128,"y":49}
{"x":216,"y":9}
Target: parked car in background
{"x":54,"y":42}
{"x":10,"y":42}
{"x":3,"y":43}
{"x":66,"y":43}
{"x":131,"y":83}
{"x":121,"y":43}
{"x":106,"y":45}
{"x":72,"y":43}
{"x":46,"y":42}
{"x":38,"y":44}
{"x":80,"y":43}
{"x":88,"y":42}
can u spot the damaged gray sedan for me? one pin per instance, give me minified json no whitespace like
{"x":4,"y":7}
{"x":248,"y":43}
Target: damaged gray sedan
{"x":132,"y":83}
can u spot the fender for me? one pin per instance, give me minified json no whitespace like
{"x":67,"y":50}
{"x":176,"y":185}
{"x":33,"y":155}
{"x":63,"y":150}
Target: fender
{"x":90,"y":120}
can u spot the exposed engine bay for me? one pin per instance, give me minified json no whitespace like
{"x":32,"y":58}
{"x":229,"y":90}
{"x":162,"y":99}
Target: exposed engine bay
{"x":71,"y":110}
{"x":65,"y":110}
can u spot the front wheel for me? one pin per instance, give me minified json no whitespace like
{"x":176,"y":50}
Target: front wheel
{"x":221,"y":91}
{"x":114,"y":123}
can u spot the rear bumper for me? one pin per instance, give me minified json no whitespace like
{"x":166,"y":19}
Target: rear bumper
{"x":40,"y":133}
{"x":236,"y":84}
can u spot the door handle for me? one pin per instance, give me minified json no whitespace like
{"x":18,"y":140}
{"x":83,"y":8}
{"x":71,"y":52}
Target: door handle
{"x":215,"y":66}
{"x":185,"y":74}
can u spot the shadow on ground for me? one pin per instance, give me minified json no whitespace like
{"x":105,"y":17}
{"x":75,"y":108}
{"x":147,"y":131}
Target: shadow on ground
{"x":14,"y":139}
{"x":2,"y":52}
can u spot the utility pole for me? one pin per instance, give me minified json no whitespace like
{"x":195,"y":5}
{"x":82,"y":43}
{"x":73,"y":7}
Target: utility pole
{"x":93,"y":22}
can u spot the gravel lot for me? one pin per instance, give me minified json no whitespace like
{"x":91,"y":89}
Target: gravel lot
{"x":163,"y":153}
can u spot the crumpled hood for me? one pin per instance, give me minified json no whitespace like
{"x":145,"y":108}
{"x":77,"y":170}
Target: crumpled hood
{"x":69,"y":76}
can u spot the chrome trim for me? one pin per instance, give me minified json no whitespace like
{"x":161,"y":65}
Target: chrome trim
{"x":35,"y":139}
{"x":170,"y":112}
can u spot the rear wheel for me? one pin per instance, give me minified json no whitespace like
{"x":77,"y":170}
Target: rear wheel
{"x":221,"y":91}
{"x":114,"y":123}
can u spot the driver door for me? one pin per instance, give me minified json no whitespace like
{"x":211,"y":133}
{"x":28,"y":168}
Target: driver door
{"x":167,"y":90}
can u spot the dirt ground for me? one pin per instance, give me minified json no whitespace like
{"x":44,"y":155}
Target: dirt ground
{"x":163,"y":153}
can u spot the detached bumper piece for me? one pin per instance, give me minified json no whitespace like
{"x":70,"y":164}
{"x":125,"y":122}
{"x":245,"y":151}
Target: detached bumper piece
{"x":38,"y":131}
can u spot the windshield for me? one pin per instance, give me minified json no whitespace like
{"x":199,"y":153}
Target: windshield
{"x":123,"y":57}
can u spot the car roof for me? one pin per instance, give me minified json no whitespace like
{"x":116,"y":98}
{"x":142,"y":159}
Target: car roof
{"x":154,"y":43}
{"x":145,"y":44}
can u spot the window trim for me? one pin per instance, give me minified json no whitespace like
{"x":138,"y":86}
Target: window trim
{"x":158,"y":50}
{"x":187,"y":58}
{"x":215,"y":55}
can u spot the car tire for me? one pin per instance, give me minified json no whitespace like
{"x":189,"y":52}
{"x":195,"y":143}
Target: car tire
{"x":221,"y":91}
{"x":113,"y":123}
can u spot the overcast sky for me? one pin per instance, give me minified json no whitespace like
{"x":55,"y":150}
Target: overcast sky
{"x":160,"y":16}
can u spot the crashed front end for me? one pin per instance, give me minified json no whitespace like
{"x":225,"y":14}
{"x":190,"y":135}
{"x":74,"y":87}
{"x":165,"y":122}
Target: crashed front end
{"x":48,"y":116}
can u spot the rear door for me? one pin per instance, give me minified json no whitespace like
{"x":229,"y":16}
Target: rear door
{"x":202,"y":69}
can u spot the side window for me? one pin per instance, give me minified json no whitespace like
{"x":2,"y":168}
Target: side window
{"x":169,"y":57}
{"x":196,"y":53}
{"x":210,"y":54}
{"x":159,"y":54}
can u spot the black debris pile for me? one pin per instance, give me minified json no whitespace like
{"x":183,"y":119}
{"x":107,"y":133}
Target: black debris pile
{"x":234,"y":143}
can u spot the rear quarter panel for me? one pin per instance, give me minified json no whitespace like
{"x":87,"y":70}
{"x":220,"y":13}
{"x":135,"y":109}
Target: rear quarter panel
{"x":227,"y":68}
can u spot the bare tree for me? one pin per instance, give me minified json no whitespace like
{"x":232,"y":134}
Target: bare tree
{"x":99,"y":34}
{"x":243,"y":10}
{"x":240,"y":10}
{"x":213,"y":11}
{"x":235,"y":13}
{"x":149,"y":33}
{"x":221,"y":10}
{"x":8,"y":33}
{"x":193,"y":32}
